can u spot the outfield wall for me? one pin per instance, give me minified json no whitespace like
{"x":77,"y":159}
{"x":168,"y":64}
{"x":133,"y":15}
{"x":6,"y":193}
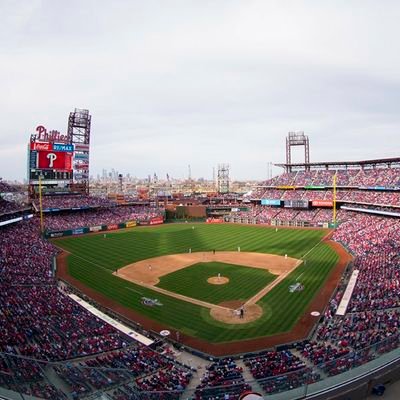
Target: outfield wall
{"x":103,"y":228}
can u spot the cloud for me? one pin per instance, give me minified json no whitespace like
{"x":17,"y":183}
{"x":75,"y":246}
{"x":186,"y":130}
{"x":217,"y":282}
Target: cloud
{"x":190,"y":82}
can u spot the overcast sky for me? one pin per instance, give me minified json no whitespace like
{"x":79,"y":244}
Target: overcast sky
{"x":173,"y":83}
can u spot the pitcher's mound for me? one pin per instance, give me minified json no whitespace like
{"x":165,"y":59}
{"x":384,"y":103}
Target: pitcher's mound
{"x":228,"y":312}
{"x":218,"y":280}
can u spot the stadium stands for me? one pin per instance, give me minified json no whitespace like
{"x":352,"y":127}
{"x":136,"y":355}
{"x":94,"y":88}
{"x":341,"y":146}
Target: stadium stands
{"x":39,"y":324}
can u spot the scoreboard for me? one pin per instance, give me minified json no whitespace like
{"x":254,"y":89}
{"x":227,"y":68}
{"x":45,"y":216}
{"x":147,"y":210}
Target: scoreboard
{"x":61,"y":160}
{"x":50,"y":160}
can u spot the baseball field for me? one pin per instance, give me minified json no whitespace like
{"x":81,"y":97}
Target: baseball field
{"x":194,"y":278}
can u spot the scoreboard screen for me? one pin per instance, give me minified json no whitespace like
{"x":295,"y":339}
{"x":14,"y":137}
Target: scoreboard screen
{"x":296,"y":204}
{"x":48,"y":174}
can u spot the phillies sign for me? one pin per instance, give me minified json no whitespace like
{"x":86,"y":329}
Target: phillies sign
{"x":49,"y":136}
{"x":57,"y":160}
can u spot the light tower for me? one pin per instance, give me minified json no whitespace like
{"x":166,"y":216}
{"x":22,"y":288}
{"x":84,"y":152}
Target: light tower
{"x":78,"y":134}
{"x":297,"y":139}
{"x":223,"y":178}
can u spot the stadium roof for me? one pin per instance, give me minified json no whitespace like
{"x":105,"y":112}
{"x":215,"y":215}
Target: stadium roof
{"x":346,"y":164}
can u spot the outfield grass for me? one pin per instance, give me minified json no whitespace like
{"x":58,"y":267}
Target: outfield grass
{"x":94,"y":258}
{"x":244,"y":282}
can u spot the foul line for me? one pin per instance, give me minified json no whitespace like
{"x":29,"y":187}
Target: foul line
{"x":309,"y":251}
{"x":91,"y":262}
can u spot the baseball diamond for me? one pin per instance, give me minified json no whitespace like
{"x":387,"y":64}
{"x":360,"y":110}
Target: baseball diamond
{"x":155,"y":262}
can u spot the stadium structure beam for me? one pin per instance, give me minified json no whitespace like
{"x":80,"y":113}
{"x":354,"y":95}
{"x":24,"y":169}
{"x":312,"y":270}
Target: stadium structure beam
{"x":297,"y":139}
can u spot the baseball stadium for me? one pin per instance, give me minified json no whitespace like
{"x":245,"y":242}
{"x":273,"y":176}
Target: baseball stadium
{"x":289,"y":291}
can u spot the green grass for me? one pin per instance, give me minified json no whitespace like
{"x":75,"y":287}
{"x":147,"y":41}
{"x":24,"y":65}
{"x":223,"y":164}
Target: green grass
{"x":244,"y":282}
{"x":94,"y":258}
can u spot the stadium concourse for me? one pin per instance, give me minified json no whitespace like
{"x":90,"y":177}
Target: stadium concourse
{"x":52,"y":347}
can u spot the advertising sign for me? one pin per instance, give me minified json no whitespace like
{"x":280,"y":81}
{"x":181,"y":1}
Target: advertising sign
{"x":57,"y":160}
{"x":295,"y":203}
{"x":81,"y":176}
{"x":81,"y":147}
{"x":32,"y":159}
{"x":156,"y":221}
{"x":270,"y":202}
{"x":130,"y":224}
{"x":83,"y":166}
{"x":63,"y":147}
{"x":56,"y":234}
{"x":95,"y":228}
{"x":81,"y":156}
{"x":78,"y":231}
{"x":112,"y":227}
{"x":214,"y":220}
{"x":50,"y":136}
{"x":41,"y":146}
{"x":322,"y":203}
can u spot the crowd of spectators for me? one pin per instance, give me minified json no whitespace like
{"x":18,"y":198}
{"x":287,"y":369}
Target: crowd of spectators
{"x":136,"y":369}
{"x":278,"y":371}
{"x":8,"y":207}
{"x":371,"y":323}
{"x":222,"y":378}
{"x":40,"y":322}
{"x":25,"y":258}
{"x":73,"y":201}
{"x":27,"y":377}
{"x":384,"y":177}
{"x":264,"y":215}
{"x":6,"y":188}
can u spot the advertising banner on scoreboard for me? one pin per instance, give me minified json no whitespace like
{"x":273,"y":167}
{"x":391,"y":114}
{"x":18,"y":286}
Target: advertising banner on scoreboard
{"x":79,"y":156}
{"x":322,"y":203}
{"x":57,"y":160}
{"x":84,"y":166}
{"x":33,"y":159}
{"x":63,"y":147}
{"x":81,"y":176}
{"x":41,"y":146}
{"x":81,"y":147}
{"x":270,"y":202}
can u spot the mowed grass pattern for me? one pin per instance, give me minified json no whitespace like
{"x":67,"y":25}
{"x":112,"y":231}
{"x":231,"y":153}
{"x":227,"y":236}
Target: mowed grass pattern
{"x":244,"y":282}
{"x":94,"y":258}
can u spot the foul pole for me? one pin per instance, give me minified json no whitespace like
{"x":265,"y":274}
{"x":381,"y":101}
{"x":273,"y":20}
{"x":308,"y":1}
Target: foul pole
{"x":334,"y":200}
